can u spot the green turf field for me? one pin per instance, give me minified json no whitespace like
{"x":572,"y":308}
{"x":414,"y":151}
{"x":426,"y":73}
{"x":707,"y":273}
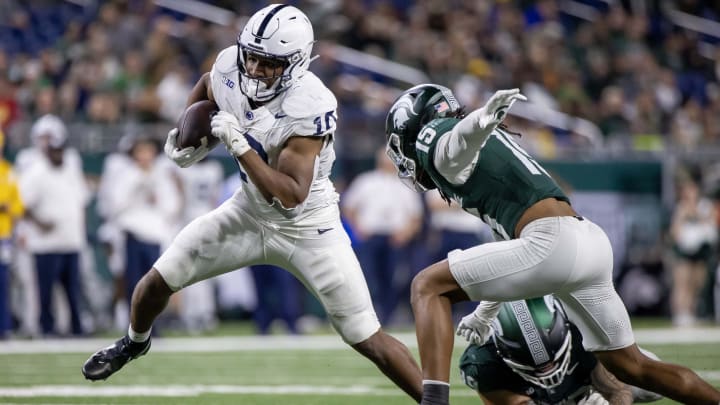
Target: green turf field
{"x":245,"y":370}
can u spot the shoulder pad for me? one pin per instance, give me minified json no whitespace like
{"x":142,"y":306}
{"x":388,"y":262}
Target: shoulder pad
{"x":226,"y":61}
{"x":224,"y":67}
{"x":308,"y":97}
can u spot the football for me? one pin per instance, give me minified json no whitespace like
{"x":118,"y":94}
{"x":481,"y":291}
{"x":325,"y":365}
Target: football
{"x":194,"y":125}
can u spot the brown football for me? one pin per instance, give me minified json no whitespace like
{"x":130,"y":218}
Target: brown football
{"x":194,"y":125}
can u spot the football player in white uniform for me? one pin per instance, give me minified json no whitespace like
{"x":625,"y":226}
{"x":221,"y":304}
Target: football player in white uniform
{"x":278,"y":121}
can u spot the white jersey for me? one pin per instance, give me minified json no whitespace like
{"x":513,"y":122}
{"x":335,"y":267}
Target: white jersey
{"x":307,"y":109}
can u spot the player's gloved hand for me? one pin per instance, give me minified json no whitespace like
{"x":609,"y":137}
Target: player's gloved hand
{"x":226,"y":127}
{"x":593,"y":398}
{"x":495,"y":110}
{"x":186,"y":156}
{"x":477,"y":327}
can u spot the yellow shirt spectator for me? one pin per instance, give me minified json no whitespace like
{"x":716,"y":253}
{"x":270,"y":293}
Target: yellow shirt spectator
{"x":11,"y":206}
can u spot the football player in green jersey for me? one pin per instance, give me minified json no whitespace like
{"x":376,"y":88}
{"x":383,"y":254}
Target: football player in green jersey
{"x":504,"y":370}
{"x":544,"y":246}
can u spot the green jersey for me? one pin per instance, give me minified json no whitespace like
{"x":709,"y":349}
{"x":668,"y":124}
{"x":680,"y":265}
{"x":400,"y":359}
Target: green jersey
{"x":483,"y":370}
{"x":504,"y":183}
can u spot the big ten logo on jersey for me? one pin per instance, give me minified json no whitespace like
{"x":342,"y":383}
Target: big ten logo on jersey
{"x":226,"y":81}
{"x":325,"y":123}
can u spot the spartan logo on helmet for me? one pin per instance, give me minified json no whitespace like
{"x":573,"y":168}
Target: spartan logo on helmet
{"x":401,"y":112}
{"x":533,"y":338}
{"x":406,"y":118}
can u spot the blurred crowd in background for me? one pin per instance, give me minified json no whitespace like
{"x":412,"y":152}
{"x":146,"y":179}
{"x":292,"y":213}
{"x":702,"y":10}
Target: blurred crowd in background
{"x":94,"y":86}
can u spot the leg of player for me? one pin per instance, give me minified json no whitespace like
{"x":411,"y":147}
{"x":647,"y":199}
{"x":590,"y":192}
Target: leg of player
{"x":395,"y":361}
{"x":673,"y":381}
{"x":149,"y":299}
{"x":433,"y":292}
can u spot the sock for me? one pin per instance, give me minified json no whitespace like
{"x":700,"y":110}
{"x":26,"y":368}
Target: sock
{"x":435,"y":393}
{"x":138,"y":337}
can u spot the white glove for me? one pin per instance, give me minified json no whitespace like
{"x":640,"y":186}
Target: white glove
{"x":495,"y":110}
{"x":477,"y":327}
{"x":593,"y":398}
{"x":226,"y":127}
{"x":186,"y":156}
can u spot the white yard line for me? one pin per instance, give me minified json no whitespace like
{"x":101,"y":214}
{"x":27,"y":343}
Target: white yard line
{"x":195,"y":390}
{"x":321,"y":342}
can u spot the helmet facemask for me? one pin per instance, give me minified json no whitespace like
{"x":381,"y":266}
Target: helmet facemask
{"x":548,"y":375}
{"x":256,"y":87}
{"x":405,"y":166}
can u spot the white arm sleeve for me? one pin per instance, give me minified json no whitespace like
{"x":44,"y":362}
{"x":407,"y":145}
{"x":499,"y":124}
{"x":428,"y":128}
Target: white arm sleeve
{"x":457,"y":152}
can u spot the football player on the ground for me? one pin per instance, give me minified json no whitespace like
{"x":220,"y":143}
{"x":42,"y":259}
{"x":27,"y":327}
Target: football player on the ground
{"x":278,"y":121}
{"x":545,"y":246}
{"x":505,"y":370}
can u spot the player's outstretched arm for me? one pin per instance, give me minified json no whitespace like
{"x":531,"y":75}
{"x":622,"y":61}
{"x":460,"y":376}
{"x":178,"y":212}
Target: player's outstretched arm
{"x":461,"y":147}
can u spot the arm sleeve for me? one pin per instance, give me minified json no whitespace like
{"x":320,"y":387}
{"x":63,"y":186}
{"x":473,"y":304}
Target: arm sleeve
{"x":457,"y":152}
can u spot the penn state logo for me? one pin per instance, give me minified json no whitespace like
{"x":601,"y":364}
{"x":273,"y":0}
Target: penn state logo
{"x":228,"y":82}
{"x":249,"y":115}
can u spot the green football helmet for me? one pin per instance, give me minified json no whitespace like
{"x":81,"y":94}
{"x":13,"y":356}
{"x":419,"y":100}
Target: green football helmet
{"x":533,"y":338}
{"x":408,"y":115}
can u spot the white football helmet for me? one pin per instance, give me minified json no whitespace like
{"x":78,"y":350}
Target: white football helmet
{"x":280,"y":32}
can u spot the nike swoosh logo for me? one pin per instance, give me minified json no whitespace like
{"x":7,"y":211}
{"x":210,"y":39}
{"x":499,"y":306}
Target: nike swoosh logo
{"x":572,"y":369}
{"x":280,"y":115}
{"x":322,"y":231}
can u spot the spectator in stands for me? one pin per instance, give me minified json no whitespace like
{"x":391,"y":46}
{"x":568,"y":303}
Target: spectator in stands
{"x":236,"y":290}
{"x":110,"y":235}
{"x":454,"y":228}
{"x":55,"y":196}
{"x":149,"y":218}
{"x":525,"y":44}
{"x":11,"y":209}
{"x":9,"y":107}
{"x":279,"y":297}
{"x":26,"y":297}
{"x":385,"y":216}
{"x":693,"y":232}
{"x":201,"y":185}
